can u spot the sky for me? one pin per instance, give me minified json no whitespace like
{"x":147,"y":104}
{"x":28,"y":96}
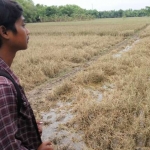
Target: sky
{"x":99,"y":5}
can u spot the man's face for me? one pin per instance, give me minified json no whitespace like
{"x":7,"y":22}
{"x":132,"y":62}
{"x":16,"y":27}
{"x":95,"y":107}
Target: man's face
{"x":19,"y":40}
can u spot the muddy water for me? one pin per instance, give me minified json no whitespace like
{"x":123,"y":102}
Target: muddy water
{"x":59,"y":134}
{"x":127,"y":48}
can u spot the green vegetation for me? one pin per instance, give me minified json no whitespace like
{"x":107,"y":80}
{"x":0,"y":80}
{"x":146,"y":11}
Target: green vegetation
{"x":42,"y":13}
{"x":30,"y":10}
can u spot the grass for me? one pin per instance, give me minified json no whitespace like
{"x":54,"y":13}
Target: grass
{"x":71,"y":44}
{"x":98,"y":27}
{"x":58,"y":56}
{"x":61,"y":91}
{"x":121,"y":120}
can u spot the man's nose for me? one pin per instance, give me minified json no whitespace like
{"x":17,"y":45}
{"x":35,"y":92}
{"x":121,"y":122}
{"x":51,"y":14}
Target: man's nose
{"x":28,"y":32}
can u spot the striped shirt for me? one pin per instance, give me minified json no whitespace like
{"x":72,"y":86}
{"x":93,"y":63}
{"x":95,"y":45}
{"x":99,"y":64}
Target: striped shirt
{"x":18,"y":131}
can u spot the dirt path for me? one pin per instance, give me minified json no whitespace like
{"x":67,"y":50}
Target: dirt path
{"x":61,"y":113}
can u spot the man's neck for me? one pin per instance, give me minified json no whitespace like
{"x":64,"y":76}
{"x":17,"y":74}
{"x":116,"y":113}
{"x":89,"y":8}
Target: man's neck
{"x":7,"y":55}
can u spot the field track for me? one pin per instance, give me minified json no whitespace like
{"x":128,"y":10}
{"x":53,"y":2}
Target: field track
{"x":45,"y":88}
{"x":62,"y":110}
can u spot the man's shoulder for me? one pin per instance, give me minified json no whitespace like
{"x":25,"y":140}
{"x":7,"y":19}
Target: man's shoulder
{"x":6,"y":86}
{"x":5,"y":81}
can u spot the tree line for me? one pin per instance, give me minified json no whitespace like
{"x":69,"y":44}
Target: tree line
{"x":43,"y":13}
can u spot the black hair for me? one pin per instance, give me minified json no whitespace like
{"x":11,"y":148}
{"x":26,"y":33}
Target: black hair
{"x":10,"y":12}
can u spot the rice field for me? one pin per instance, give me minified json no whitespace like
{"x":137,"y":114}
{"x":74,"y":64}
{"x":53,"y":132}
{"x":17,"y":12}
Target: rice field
{"x":109,"y":97}
{"x":65,"y":45}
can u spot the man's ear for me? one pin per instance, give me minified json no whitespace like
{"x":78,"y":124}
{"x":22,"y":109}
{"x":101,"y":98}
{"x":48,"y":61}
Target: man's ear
{"x":3,"y":32}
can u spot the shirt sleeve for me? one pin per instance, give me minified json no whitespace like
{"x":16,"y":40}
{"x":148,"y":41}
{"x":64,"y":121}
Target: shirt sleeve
{"x":8,"y":119}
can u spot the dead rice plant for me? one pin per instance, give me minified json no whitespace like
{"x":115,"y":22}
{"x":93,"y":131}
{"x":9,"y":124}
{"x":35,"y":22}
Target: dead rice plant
{"x":89,"y":77}
{"x":61,"y":91}
{"x":121,"y":120}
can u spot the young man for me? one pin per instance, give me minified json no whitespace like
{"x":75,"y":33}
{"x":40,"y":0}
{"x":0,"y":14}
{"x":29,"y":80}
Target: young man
{"x":18,"y":129}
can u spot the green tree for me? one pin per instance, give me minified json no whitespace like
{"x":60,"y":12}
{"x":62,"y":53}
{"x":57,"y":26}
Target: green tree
{"x":40,"y":12}
{"x":29,"y":10}
{"x":148,"y":10}
{"x":93,"y":13}
{"x":51,"y":11}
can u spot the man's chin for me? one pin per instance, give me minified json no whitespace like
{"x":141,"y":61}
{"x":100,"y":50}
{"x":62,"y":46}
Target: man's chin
{"x":24,"y":48}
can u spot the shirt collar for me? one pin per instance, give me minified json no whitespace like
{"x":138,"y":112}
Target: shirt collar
{"x":5,"y":67}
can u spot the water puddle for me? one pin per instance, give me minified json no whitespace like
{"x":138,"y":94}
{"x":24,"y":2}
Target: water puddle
{"x":128,"y":48}
{"x":55,"y":128}
{"x":99,"y":95}
{"x":59,"y":134}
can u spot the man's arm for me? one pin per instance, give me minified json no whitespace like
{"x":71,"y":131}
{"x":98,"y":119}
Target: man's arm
{"x":8,"y":119}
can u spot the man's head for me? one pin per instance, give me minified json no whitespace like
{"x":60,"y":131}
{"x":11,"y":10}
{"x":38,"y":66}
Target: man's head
{"x":10,"y":13}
